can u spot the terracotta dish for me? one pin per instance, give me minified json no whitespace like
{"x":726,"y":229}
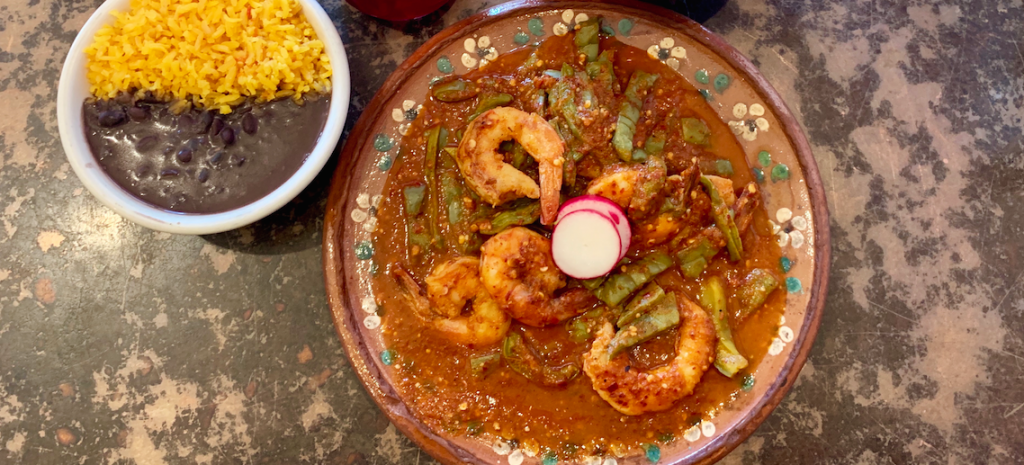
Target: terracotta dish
{"x":776,"y":151}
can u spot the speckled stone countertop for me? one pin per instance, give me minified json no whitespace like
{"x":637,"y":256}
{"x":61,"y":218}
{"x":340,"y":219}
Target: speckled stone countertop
{"x":122,"y":345}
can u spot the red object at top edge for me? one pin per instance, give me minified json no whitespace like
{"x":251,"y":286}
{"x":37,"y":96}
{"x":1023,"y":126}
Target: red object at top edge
{"x":397,"y":10}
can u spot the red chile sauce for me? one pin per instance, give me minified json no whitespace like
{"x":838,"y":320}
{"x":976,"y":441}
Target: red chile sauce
{"x":433,"y":375}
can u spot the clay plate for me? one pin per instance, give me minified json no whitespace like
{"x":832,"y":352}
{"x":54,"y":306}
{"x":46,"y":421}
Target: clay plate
{"x":776,"y":150}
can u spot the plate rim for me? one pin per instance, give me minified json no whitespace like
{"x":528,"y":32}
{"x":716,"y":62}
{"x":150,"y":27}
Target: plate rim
{"x":346,"y":326}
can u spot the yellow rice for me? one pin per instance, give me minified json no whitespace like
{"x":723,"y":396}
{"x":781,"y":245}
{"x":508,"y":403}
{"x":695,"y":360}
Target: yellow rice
{"x":209,"y":53}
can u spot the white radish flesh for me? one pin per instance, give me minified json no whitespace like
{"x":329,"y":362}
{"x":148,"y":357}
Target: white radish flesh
{"x":606,"y":207}
{"x":586,"y":244}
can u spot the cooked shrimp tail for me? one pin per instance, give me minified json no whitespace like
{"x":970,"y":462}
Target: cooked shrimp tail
{"x":745,"y":205}
{"x":497,"y":182}
{"x":412,"y":292}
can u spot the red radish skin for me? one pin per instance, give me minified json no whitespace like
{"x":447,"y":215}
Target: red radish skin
{"x":586,"y":202}
{"x":586,"y":244}
{"x":609,"y":209}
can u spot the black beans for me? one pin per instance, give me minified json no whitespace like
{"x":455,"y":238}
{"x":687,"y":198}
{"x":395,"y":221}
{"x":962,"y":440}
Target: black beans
{"x":111,"y":118}
{"x":185,"y":155}
{"x":205,"y":120}
{"x":195,"y":142}
{"x":198,"y":158}
{"x":228,"y":136}
{"x":218,"y":125}
{"x":137,"y":113}
{"x":146,"y":143}
{"x":249,"y":123}
{"x":185,"y":121}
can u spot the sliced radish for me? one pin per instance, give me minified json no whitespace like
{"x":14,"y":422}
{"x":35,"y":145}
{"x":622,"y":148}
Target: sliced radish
{"x":586,"y":244}
{"x":606,"y":207}
{"x":587,"y":202}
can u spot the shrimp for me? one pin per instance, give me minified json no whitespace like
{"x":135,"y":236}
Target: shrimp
{"x":681,"y":213}
{"x":517,"y":270}
{"x":633,"y":391}
{"x":450,"y":286}
{"x":453,"y":283}
{"x":616,"y":183}
{"x":497,"y":182}
{"x":638,"y":188}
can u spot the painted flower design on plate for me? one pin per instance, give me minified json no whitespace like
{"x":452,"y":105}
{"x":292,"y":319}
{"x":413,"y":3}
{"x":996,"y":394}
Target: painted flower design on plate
{"x":405,"y":115}
{"x":667,"y":52}
{"x":479,"y":51}
{"x":749,"y":121}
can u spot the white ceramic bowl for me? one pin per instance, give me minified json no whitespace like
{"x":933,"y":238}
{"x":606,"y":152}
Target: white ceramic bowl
{"x":74,"y":89}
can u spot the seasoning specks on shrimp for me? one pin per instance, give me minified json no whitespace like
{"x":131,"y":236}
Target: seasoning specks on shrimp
{"x":497,"y":182}
{"x":450,"y":286}
{"x":633,"y":391}
{"x":517,"y":269}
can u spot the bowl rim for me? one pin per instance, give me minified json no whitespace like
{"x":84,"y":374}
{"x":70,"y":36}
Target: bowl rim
{"x":334,"y":235}
{"x":104,"y":189}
